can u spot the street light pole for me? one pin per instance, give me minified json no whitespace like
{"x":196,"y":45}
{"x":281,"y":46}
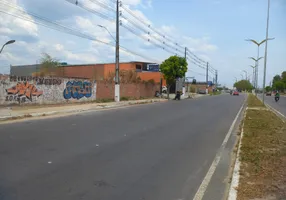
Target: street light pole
{"x":256,"y":77}
{"x":245,"y":74}
{"x":253,"y":74}
{"x":7,"y":43}
{"x":265,"y":55}
{"x":117,"y":81}
{"x":107,"y":31}
{"x":257,"y":58}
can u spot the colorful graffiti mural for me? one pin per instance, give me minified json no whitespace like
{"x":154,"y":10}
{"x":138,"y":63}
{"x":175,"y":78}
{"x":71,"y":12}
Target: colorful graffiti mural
{"x":78,"y":89}
{"x":22,"y":91}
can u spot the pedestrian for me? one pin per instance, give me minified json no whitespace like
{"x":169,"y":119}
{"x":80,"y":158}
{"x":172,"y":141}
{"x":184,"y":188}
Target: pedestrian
{"x":178,"y":95}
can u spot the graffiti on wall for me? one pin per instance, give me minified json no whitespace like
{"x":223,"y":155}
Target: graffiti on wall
{"x":22,"y":91}
{"x":37,"y":80}
{"x":78,"y":89}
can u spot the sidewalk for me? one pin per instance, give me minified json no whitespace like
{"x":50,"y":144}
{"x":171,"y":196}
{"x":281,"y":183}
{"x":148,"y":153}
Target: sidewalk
{"x":17,"y":112}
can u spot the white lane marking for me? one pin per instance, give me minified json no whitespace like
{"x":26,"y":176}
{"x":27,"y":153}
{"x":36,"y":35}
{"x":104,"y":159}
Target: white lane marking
{"x":274,"y":110}
{"x":232,"y":195}
{"x":202,"y":189}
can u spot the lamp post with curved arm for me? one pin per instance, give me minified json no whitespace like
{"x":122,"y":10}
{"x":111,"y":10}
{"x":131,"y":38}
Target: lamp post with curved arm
{"x":256,"y":73}
{"x":245,"y":74}
{"x":7,"y":43}
{"x":257,"y":58}
{"x":253,"y":75}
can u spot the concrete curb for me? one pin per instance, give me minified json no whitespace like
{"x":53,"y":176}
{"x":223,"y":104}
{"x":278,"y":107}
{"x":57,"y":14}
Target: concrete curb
{"x":232,"y":195}
{"x":235,"y":176}
{"x":276,"y":112}
{"x":78,"y":110}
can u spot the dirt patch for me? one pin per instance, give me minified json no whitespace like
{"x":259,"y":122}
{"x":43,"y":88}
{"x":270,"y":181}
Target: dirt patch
{"x":263,"y":155}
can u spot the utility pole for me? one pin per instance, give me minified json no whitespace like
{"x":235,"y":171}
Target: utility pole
{"x":186,"y":53}
{"x":117,"y":81}
{"x":207,"y":73}
{"x":265,"y":55}
{"x":184,"y":78}
{"x":216,"y":75}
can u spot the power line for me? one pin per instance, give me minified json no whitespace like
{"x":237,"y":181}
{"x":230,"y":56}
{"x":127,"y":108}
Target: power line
{"x":129,"y":28}
{"x":107,"y":7}
{"x":196,"y":72}
{"x":91,"y":10}
{"x":146,"y":32}
{"x":147,"y":39}
{"x":149,"y":25}
{"x":56,"y":26}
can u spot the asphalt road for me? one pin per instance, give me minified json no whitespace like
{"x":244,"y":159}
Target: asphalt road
{"x":148,"y":152}
{"x":279,"y":106}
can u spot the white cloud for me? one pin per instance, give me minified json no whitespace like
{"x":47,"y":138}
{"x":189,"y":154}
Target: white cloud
{"x":59,"y":47}
{"x":77,"y":50}
{"x":5,"y":30}
{"x":17,"y":25}
{"x":131,"y":2}
{"x":200,"y":44}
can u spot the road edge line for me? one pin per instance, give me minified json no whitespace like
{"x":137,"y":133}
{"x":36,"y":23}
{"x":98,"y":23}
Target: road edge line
{"x":232,"y":195}
{"x":276,"y":112}
{"x":203,"y":187}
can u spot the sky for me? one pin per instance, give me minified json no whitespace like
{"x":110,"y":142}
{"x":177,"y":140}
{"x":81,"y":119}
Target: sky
{"x":213,"y":30}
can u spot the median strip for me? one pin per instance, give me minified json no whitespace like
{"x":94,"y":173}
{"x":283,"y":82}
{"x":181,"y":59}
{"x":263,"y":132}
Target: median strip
{"x":262,"y":155}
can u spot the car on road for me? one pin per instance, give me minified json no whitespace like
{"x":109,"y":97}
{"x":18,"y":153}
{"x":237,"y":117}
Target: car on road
{"x":268,"y":93}
{"x":235,"y":93}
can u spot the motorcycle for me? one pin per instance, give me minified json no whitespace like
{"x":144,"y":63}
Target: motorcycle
{"x":277,"y":99}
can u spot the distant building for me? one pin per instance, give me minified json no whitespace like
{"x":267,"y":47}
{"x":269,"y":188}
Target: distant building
{"x":145,"y":70}
{"x":24,"y":70}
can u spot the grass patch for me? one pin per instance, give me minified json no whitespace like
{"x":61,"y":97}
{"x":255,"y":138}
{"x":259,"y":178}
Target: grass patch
{"x":263,"y":155}
{"x":215,"y":93}
{"x":103,"y":100}
{"x":253,"y":101}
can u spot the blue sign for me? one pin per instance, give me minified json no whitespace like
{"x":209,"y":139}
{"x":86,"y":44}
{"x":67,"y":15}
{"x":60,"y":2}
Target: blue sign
{"x":153,"y":67}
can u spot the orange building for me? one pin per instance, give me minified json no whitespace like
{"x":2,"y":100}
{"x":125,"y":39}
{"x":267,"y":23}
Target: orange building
{"x":103,"y":71}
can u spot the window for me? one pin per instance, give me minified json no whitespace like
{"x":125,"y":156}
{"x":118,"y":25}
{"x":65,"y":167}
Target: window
{"x":138,"y":68}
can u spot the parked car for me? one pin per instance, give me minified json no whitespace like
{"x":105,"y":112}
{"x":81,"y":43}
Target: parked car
{"x":235,"y":93}
{"x":202,"y":92}
{"x":268,"y":93}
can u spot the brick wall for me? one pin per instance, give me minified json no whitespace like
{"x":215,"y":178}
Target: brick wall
{"x":105,"y":90}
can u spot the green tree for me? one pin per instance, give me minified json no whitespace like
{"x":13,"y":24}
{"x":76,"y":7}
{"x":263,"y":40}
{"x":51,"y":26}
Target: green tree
{"x":48,"y":65}
{"x":279,"y":85}
{"x":276,"y":79}
{"x":243,"y":85}
{"x":283,"y":76}
{"x":268,"y":88}
{"x":172,"y":68}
